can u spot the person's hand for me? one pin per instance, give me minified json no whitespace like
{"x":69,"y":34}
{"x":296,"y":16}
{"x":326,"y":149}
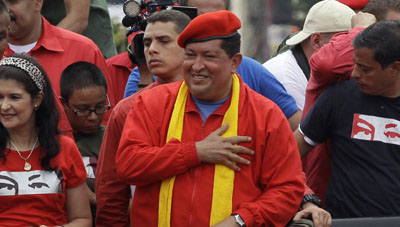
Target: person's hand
{"x":227,"y":222}
{"x":362,"y":19}
{"x":215,"y":149}
{"x":320,"y":217}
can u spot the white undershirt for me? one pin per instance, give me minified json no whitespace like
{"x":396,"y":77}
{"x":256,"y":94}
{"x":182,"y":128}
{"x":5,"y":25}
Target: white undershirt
{"x":22,"y":49}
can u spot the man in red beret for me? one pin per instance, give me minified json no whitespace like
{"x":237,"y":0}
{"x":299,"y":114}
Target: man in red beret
{"x":164,"y":58}
{"x":209,"y":151}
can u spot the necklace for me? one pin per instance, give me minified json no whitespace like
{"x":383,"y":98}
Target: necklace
{"x":27,"y":166}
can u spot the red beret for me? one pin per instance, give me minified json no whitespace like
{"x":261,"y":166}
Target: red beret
{"x":355,"y":4}
{"x":215,"y":25}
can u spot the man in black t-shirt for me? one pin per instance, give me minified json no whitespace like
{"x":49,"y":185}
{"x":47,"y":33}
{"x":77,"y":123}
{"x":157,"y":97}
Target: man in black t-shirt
{"x":361,"y":117}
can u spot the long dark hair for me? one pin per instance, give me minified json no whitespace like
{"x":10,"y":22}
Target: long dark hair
{"x":46,"y":118}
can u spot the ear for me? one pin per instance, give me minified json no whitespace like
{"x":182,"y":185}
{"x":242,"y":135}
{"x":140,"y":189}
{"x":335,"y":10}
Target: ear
{"x":395,"y":68}
{"x":38,"y":99}
{"x":235,"y":62}
{"x":315,"y":40}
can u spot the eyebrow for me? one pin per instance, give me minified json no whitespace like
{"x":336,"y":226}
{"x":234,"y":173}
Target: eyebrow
{"x":85,"y":105}
{"x":33,"y":177}
{"x":162,"y":36}
{"x":157,"y":37}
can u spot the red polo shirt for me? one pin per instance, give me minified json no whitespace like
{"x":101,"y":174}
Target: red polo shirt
{"x":119,"y":68}
{"x":56,"y":49}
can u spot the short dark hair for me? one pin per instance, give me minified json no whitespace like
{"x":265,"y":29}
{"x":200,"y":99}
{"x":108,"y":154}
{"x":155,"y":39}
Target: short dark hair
{"x":186,"y":3}
{"x":231,"y":45}
{"x":380,"y":8}
{"x":80,"y":75}
{"x":180,"y":19}
{"x":384,"y":38}
{"x":46,"y":117}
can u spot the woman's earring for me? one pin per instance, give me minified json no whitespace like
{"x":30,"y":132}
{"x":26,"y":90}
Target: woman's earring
{"x":36,"y":107}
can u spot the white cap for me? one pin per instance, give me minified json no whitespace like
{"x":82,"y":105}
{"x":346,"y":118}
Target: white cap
{"x":324,"y":16}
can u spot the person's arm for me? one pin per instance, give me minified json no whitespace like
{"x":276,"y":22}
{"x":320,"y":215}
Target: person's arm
{"x":281,"y":179}
{"x":294,"y":120}
{"x":334,"y":61}
{"x":77,"y":15}
{"x":91,"y":195}
{"x":302,"y":145}
{"x":156,"y":160}
{"x":77,"y":206}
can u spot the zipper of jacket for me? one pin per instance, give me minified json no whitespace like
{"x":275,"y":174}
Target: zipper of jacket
{"x":195,"y":183}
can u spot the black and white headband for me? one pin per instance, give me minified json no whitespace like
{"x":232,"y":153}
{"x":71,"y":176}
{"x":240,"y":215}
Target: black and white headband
{"x":32,"y":70}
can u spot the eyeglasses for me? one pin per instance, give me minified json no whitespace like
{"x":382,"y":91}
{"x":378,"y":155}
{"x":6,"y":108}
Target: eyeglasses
{"x":97,"y":110}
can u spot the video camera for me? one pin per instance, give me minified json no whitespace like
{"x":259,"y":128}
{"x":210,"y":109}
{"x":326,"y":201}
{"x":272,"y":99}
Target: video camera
{"x":136,"y":14}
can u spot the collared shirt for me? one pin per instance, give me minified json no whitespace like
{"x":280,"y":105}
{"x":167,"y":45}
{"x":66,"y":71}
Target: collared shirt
{"x":56,"y":49}
{"x":119,"y":68}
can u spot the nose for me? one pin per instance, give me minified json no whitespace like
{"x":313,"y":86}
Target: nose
{"x":153,"y":48}
{"x":198,"y":64}
{"x":4,"y":104}
{"x":92,"y":116}
{"x":355,"y":74}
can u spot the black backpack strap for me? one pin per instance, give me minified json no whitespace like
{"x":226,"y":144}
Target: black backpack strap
{"x":301,"y":60}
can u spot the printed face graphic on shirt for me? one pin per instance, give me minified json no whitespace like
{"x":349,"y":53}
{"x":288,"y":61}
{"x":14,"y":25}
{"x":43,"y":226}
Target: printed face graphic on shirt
{"x":90,"y":165}
{"x":29,"y":183}
{"x":373,"y":128}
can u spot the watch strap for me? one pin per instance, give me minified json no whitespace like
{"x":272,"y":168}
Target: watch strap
{"x":310,"y":198}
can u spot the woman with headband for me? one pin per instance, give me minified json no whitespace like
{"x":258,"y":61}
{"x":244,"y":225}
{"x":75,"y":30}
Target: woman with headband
{"x":42,"y":176}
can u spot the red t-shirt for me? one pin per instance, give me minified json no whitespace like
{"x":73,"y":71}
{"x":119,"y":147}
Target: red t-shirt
{"x":38,"y":197}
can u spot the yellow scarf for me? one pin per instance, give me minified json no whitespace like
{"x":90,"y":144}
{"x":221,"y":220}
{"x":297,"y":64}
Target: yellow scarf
{"x":223,"y":176}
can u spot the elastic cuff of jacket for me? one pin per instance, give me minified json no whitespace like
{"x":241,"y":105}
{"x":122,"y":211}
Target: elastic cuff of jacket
{"x":190,"y":155}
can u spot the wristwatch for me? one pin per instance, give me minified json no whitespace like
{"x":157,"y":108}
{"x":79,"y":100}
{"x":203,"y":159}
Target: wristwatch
{"x":239,"y":220}
{"x":310,"y":198}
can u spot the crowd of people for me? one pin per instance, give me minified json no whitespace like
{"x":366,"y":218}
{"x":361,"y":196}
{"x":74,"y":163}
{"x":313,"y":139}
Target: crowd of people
{"x":217,"y":139}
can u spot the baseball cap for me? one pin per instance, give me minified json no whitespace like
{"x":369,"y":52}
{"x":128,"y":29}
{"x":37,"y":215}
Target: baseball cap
{"x":324,"y":16}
